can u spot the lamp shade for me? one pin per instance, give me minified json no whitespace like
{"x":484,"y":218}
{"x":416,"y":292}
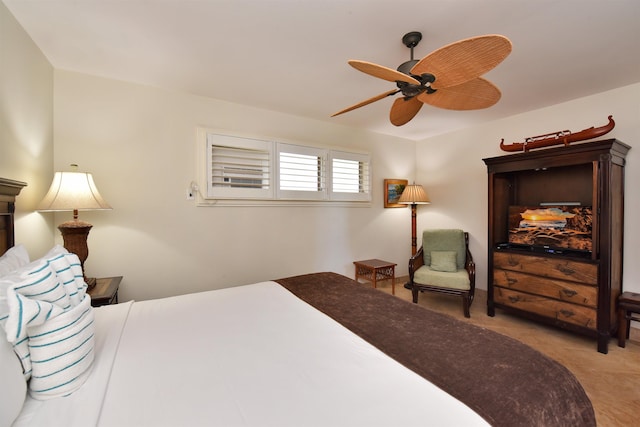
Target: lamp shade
{"x":414,"y":194}
{"x":72,"y":191}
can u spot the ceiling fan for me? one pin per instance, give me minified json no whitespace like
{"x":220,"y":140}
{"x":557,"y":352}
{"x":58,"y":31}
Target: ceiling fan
{"x":448,"y":77}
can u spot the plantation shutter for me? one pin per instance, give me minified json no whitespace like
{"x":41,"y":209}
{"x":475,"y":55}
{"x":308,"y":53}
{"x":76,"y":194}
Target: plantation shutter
{"x":301,"y":172}
{"x":239,"y":167}
{"x":350,"y":176}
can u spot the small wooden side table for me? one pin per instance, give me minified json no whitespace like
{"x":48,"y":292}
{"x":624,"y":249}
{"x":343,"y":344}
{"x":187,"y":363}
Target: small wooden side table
{"x":376,"y":269}
{"x":105,"y":291}
{"x":628,"y":305}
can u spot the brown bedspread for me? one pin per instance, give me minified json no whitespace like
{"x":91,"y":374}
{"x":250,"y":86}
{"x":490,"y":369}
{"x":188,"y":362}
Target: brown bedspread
{"x":505,"y":381}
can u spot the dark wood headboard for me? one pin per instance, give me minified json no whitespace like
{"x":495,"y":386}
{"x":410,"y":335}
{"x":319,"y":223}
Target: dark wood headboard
{"x":9,"y":189}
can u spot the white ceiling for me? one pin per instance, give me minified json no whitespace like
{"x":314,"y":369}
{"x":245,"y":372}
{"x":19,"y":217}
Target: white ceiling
{"x":291,"y":55}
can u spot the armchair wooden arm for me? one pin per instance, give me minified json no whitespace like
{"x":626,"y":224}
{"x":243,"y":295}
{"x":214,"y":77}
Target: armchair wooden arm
{"x":415,"y":262}
{"x":470,"y":266}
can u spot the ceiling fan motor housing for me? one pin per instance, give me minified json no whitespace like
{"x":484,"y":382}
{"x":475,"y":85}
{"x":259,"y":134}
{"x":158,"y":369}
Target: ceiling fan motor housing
{"x":406,"y":67}
{"x":411,"y":40}
{"x":410,"y":90}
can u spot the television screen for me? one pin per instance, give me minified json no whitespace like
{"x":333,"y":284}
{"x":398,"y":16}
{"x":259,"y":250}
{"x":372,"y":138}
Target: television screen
{"x":553,"y":227}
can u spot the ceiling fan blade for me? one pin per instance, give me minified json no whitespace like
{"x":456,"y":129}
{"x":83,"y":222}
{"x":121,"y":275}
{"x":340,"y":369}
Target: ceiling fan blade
{"x":381,"y":72}
{"x":403,"y":110}
{"x":463,"y":60}
{"x":366,"y":102}
{"x":472,"y":95}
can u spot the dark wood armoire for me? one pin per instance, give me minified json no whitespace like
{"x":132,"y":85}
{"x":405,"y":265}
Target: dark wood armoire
{"x":574,"y":290}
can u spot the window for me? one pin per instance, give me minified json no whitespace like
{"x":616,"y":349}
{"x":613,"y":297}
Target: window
{"x":301,"y":172}
{"x":246,"y":168}
{"x":350,"y":177}
{"x":238,"y":167}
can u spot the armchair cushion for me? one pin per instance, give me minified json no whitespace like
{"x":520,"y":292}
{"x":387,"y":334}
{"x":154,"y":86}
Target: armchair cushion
{"x":444,"y":240}
{"x":428,"y":276}
{"x":443,"y":261}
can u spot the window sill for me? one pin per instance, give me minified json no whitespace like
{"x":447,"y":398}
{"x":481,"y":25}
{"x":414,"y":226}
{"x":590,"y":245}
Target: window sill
{"x":209,"y":203}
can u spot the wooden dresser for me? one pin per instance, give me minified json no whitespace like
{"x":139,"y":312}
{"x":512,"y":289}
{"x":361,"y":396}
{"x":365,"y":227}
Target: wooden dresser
{"x":574,"y":291}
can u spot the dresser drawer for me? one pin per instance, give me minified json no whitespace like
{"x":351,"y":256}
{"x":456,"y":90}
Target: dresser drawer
{"x":552,"y":267}
{"x":563,"y":290}
{"x":554,"y":309}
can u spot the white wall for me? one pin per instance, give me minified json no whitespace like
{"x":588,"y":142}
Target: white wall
{"x":139,"y":143}
{"x":451,"y":168}
{"x":26,"y":130}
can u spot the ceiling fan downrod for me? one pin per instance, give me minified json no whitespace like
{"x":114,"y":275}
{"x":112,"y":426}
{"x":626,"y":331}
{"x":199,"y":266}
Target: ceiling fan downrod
{"x":411,"y":40}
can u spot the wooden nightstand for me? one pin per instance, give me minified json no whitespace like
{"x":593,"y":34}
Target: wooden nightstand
{"x":105,"y":291}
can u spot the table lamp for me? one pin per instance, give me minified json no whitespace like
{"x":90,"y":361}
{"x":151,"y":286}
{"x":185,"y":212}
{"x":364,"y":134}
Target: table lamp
{"x":74,"y":191}
{"x":413,"y":195}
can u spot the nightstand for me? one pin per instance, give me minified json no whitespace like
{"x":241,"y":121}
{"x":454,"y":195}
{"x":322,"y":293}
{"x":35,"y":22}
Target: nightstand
{"x":105,"y":291}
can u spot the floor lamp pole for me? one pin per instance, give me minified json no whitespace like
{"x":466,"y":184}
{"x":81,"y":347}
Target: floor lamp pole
{"x":414,"y":241}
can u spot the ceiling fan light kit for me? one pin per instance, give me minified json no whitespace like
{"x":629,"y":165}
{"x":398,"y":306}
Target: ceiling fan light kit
{"x":447,"y":78}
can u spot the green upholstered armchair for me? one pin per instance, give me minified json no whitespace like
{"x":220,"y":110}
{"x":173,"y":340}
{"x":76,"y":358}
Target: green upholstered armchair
{"x":444,"y":264}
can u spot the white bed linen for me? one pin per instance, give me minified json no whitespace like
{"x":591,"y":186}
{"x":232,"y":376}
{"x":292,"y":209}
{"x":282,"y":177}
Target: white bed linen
{"x":82,"y":408}
{"x":254,"y":355}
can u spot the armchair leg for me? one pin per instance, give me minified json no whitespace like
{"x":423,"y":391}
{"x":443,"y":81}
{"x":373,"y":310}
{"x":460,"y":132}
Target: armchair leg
{"x":414,"y":293}
{"x":465,"y":305}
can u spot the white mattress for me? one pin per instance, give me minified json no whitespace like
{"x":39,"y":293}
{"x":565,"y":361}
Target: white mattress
{"x":253,"y":355}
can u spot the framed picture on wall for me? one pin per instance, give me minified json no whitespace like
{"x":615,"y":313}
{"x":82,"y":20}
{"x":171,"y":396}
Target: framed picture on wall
{"x":393,"y":188}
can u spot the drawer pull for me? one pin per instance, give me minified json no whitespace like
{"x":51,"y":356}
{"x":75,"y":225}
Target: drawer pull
{"x":567,"y":313}
{"x":569,"y":292}
{"x":514,"y":299}
{"x":566,"y":270}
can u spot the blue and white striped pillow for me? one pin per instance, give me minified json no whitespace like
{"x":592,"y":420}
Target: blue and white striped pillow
{"x":36,"y":297}
{"x":62,"y":352}
{"x":69,"y":271}
{"x":50,"y":324}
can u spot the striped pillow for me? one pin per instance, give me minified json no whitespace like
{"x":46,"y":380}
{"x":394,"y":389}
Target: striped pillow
{"x":36,"y":297}
{"x":50,"y":324}
{"x":62,"y":352}
{"x":69,"y":271}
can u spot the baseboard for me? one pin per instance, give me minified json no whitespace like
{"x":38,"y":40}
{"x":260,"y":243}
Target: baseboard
{"x":634,"y":334}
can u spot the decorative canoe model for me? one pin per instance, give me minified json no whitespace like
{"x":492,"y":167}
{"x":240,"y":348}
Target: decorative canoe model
{"x":556,"y":138}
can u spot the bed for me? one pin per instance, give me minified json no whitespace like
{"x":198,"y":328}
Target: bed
{"x":311,"y":350}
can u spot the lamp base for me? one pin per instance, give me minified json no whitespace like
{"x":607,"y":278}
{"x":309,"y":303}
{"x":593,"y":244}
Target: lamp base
{"x":75,"y":234}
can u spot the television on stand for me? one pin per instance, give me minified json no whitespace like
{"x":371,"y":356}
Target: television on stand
{"x":551,"y":228}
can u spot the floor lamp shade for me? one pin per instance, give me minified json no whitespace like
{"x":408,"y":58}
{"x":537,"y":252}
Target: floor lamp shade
{"x":413,"y":195}
{"x":74,"y":191}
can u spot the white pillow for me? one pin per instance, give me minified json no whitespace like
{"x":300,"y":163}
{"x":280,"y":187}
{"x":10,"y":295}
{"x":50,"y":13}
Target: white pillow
{"x":13,"y":387}
{"x":56,"y":250}
{"x":13,"y":259}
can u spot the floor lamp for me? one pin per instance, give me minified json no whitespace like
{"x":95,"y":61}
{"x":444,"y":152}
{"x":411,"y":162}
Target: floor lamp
{"x":74,"y":191}
{"x":413,"y":195}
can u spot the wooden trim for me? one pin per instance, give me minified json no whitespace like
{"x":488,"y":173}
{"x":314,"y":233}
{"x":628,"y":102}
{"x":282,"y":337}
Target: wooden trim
{"x":9,"y":189}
